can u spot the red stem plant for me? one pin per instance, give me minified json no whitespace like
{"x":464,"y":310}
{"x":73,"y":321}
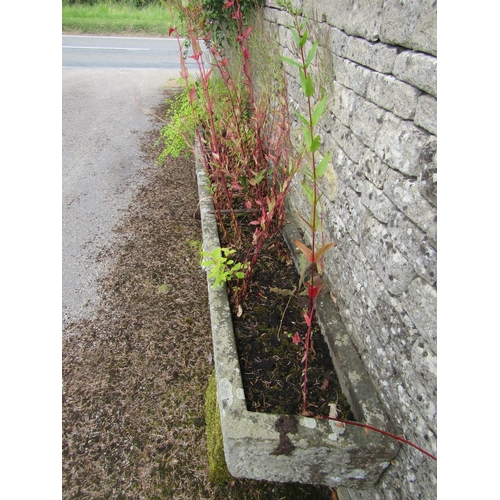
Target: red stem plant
{"x":243,"y":169}
{"x":315,"y":254}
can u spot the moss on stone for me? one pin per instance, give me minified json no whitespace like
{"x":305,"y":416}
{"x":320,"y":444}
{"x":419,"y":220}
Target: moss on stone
{"x":218,"y":472}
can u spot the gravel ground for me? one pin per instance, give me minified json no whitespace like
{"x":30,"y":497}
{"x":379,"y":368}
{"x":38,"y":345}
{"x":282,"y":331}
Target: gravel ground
{"x":134,"y":377}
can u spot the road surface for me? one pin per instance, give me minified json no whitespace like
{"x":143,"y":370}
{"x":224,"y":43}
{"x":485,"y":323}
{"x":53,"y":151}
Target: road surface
{"x":87,"y":51}
{"x":104,"y":113}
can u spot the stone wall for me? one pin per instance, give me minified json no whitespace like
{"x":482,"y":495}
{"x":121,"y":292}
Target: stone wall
{"x":377,"y":61}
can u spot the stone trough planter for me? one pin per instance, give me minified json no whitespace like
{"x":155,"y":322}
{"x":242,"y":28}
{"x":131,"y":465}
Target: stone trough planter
{"x":287,"y":448}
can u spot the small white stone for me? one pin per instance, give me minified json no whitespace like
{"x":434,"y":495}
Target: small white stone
{"x":310,"y":423}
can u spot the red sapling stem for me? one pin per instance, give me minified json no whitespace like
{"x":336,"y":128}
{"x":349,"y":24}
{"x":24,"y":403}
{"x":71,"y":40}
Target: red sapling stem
{"x":380,"y":431}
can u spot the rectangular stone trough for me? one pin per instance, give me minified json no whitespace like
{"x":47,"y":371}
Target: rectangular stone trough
{"x":287,"y":448}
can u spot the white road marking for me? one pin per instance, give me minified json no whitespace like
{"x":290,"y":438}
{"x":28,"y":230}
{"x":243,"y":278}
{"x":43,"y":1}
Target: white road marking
{"x":101,"y":48}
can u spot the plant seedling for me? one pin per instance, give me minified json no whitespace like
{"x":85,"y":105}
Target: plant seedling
{"x":223,"y":268}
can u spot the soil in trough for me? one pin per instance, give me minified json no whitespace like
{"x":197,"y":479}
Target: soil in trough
{"x":271,"y":363}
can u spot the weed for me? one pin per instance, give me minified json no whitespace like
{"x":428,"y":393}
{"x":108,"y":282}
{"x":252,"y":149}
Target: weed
{"x":245,"y":135}
{"x":178,"y":134}
{"x":222,"y":267}
{"x":314,"y":255}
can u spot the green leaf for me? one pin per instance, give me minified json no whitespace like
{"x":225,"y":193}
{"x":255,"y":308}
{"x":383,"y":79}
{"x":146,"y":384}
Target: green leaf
{"x":307,"y":136}
{"x":259,"y":177}
{"x":292,"y":62}
{"x":309,"y":87}
{"x":295,"y":35}
{"x":318,"y":111}
{"x":302,"y":80}
{"x":323,"y":164}
{"x":303,"y":119}
{"x":303,"y":40}
{"x":307,"y":173}
{"x":316,"y":143}
{"x":311,"y":54}
{"x":308,"y":192}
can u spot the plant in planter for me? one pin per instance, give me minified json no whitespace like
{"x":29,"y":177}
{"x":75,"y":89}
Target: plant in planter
{"x":244,"y":164}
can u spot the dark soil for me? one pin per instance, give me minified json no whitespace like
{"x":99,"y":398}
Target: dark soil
{"x":134,"y":377}
{"x":272,"y":364}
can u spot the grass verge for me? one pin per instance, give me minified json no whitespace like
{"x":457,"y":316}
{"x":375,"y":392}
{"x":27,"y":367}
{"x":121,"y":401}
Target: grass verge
{"x":106,"y":18}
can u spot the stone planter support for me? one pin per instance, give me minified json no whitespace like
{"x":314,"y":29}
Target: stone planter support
{"x":286,"y":448}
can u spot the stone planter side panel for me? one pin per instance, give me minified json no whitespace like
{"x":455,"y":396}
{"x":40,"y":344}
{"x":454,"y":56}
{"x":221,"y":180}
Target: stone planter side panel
{"x":377,"y":61}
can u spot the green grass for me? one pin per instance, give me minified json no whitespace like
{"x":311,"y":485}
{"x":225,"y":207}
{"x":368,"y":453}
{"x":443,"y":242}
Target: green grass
{"x":106,"y":18}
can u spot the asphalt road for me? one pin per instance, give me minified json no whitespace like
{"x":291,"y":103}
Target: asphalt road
{"x":86,"y":51}
{"x":104,"y":113}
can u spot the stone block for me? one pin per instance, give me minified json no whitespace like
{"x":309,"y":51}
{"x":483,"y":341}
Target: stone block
{"x":431,"y":233}
{"x":346,"y":139}
{"x":286,"y":41}
{"x":419,"y":70}
{"x":416,"y":427}
{"x":413,"y":244}
{"x":423,"y":395}
{"x":410,"y":23}
{"x":349,"y":171}
{"x":426,"y":113}
{"x":400,"y":143}
{"x":339,"y":42}
{"x":392,"y":94}
{"x":420,"y":302}
{"x":367,"y":120}
{"x":424,"y":360}
{"x":388,"y":262}
{"x":344,"y":101}
{"x":329,"y":182}
{"x":349,"y":253}
{"x":377,"y":202}
{"x":278,"y":16}
{"x":375,"y":343}
{"x":373,"y":285}
{"x":406,"y":194}
{"x":271,"y":15}
{"x":351,"y":75}
{"x":427,"y":181}
{"x":355,"y":17}
{"x":352,"y":213}
{"x":378,"y":56}
{"x":394,"y":326}
{"x":373,"y":168}
{"x":351,"y":494}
